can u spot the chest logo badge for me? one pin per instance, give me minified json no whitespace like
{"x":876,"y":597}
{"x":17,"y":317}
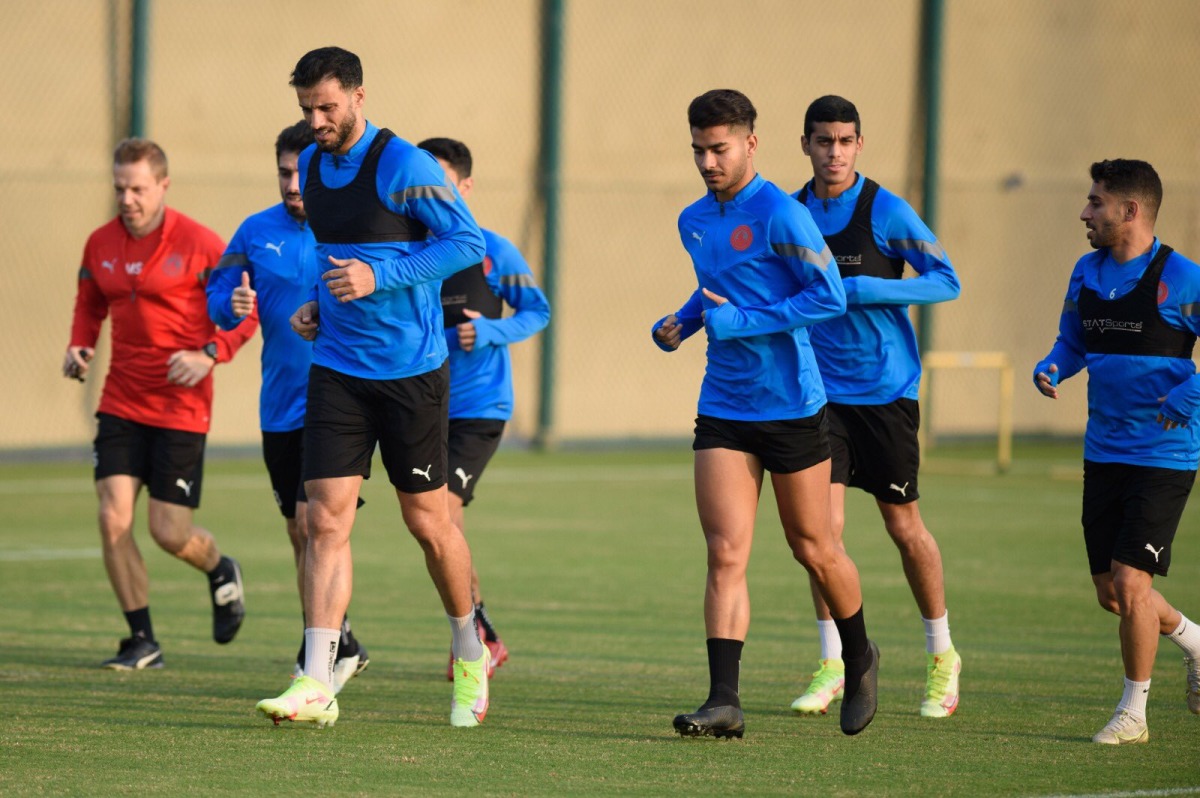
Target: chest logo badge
{"x":741,"y":238}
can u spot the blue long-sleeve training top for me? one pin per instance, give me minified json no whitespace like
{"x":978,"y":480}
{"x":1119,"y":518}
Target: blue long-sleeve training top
{"x":280,"y":255}
{"x":762,"y":252}
{"x":1123,"y":390}
{"x":869,"y":355}
{"x":396,"y":331}
{"x":481,"y":380}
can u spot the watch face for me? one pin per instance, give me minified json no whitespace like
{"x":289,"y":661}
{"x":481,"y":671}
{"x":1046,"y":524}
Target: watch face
{"x":210,"y":349}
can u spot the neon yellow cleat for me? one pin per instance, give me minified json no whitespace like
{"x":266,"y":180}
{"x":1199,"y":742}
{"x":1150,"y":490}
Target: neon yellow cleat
{"x":825,"y":688}
{"x":306,"y":700}
{"x":941,"y":684}
{"x":1123,"y":729}
{"x":469,"y":705}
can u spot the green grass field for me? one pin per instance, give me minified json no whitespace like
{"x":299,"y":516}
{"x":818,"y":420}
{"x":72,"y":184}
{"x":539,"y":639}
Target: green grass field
{"x":593,"y":569}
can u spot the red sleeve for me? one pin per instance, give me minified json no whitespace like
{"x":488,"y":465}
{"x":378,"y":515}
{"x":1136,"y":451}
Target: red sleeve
{"x":230,"y":341}
{"x":91,"y":307}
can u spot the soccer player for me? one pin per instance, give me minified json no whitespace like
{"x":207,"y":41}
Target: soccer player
{"x":147,"y":269}
{"x":765,"y":276}
{"x":1130,"y":319}
{"x":267,"y":270}
{"x":389,"y":230}
{"x":481,"y":391}
{"x":871,"y":371}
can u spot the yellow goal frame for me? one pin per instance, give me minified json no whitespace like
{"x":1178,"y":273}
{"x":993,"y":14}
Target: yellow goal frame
{"x":933,"y":362}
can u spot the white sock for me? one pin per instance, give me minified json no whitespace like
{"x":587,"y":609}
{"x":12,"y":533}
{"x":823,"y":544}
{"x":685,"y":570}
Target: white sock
{"x":320,"y":652}
{"x":937,"y":634}
{"x":464,"y":641}
{"x":1134,"y":699}
{"x":1186,"y":636}
{"x":831,"y":641}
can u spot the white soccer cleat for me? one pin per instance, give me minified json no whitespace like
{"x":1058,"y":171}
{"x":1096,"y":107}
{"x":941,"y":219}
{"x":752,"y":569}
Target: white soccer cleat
{"x":1123,"y":729}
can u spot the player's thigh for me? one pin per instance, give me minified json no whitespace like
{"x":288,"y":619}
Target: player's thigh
{"x":412,"y":419}
{"x":283,"y":454}
{"x":470,"y":444}
{"x":803,"y":500}
{"x":728,"y":483}
{"x":340,"y":428}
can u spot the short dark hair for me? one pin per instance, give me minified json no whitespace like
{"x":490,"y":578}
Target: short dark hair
{"x":452,"y":151}
{"x":1133,"y":179}
{"x":831,"y":108}
{"x":327,"y":62}
{"x":293,"y":139}
{"x":722,"y":107}
{"x":132,"y":150}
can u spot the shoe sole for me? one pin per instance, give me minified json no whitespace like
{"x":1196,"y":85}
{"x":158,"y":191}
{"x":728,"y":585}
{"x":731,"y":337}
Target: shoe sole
{"x":278,"y":715}
{"x":688,"y":729}
{"x":1144,"y":737}
{"x":117,"y":666}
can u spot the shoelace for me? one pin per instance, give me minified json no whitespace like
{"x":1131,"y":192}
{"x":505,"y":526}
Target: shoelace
{"x":939,"y":677}
{"x":823,"y":678}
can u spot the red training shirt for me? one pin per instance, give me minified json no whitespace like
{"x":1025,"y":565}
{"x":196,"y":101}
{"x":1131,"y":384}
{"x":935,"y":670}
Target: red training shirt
{"x":154,"y":290}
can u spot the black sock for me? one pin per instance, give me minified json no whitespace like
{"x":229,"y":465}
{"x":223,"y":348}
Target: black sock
{"x":222,"y":573}
{"x":139,"y":624}
{"x":724,"y":672}
{"x":853,"y":631}
{"x":489,"y":631}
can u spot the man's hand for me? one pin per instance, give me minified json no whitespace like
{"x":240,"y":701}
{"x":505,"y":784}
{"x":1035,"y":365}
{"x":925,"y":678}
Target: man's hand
{"x":188,"y":367}
{"x":243,"y":298}
{"x":350,"y":279}
{"x":304,"y":321}
{"x":720,"y":300}
{"x":76,"y":360}
{"x":466,"y":330}
{"x":1047,"y":381}
{"x":1168,"y":423}
{"x":670,"y":333}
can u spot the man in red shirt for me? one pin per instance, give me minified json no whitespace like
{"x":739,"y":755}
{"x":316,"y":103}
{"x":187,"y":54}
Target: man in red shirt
{"x":147,"y":269}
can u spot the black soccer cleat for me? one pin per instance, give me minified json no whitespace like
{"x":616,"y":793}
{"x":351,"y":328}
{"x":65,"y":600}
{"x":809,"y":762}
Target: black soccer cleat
{"x":860,"y":701}
{"x":135,"y":654}
{"x":228,"y":605}
{"x":725,"y":721}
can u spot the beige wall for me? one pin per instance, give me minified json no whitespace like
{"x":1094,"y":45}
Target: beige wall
{"x":1033,"y":92}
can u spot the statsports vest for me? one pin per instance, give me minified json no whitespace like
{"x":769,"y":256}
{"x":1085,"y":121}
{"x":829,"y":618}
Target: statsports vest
{"x":854,"y":246}
{"x":354,"y":214}
{"x":469,"y":289}
{"x":1132,"y":325}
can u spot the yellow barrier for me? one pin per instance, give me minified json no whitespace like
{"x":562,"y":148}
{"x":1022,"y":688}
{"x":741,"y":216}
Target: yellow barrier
{"x":998,"y":361}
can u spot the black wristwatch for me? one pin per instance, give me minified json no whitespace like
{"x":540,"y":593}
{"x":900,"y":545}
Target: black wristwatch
{"x":210,"y":349}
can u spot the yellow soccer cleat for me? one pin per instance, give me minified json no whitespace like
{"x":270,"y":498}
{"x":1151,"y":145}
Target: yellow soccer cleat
{"x":306,"y":700}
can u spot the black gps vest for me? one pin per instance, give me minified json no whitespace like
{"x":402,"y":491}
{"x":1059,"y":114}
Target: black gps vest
{"x":854,"y":246}
{"x":469,"y":289}
{"x":1132,"y":325}
{"x":354,"y":214}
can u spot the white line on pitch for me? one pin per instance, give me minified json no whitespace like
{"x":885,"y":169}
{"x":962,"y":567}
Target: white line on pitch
{"x":1133,"y":793}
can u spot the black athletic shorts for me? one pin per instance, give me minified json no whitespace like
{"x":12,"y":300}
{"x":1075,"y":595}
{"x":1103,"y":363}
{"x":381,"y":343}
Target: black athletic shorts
{"x":875,"y":448}
{"x":283,"y":454}
{"x":784,"y":447}
{"x":471,"y":444}
{"x":347,"y":416}
{"x":1130,"y":514}
{"x":169,"y":462}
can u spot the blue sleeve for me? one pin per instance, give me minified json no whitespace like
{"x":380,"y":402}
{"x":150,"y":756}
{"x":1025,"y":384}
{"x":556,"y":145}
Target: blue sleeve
{"x":900,"y":233}
{"x":418,"y":189}
{"x":226,"y":276}
{"x":520,"y":291}
{"x":796,"y":239}
{"x":1182,"y":278}
{"x":690,"y":316}
{"x":1069,"y":350}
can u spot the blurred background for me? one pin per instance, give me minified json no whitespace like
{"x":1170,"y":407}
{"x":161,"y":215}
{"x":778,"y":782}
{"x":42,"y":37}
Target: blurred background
{"x":984,"y":116}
